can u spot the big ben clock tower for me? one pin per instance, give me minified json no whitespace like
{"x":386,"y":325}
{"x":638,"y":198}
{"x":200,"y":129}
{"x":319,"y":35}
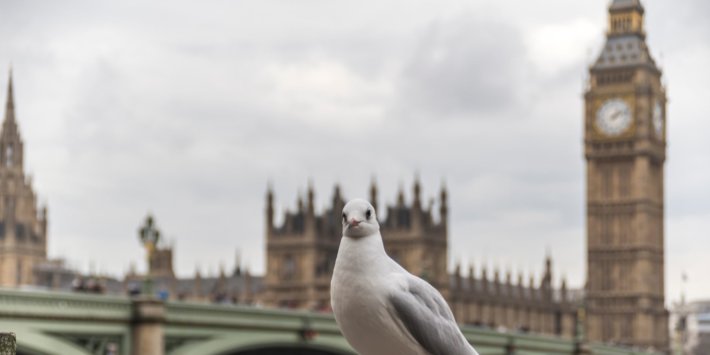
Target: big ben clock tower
{"x":625,"y":150}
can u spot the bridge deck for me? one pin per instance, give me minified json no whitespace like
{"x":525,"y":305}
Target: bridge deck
{"x":49,"y":323}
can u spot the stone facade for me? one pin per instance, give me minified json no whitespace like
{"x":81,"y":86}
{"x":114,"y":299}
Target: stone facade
{"x":625,"y":150}
{"x":496,"y":303}
{"x":23,"y":226}
{"x":301,"y":254}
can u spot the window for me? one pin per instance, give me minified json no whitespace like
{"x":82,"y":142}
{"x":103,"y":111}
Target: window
{"x":18,"y":272}
{"x":9,"y":155}
{"x":288,"y":269}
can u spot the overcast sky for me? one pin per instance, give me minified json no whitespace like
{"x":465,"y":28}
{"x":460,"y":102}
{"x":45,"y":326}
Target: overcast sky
{"x":187,"y":109}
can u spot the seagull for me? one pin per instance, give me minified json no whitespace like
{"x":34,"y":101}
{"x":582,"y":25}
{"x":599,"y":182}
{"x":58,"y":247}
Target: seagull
{"x":381,"y":308}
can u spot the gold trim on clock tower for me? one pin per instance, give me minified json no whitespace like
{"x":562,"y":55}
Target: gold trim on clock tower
{"x":625,"y":152}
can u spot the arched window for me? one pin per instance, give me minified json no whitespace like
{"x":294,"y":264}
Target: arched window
{"x":288,"y":269}
{"x":9,"y":155}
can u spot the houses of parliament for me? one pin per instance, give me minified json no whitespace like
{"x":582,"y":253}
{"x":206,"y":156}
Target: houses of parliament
{"x":624,"y":146}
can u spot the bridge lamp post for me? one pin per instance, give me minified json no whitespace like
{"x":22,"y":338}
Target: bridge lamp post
{"x":149,"y":235}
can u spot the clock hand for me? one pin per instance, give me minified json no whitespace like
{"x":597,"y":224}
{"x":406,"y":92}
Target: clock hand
{"x":615,"y":115}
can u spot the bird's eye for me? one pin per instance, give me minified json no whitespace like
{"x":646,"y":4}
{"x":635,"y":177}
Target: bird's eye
{"x":368,"y":214}
{"x":345,"y":217}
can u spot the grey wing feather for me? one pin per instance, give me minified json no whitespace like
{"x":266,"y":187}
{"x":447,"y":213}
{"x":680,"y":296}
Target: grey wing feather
{"x":427,"y":317}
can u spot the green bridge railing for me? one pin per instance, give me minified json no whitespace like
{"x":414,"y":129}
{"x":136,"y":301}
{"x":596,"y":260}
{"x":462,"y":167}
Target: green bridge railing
{"x":49,"y":323}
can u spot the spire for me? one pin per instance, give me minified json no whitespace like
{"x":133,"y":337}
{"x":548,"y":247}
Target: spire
{"x":269,"y":208}
{"x":417,"y":189}
{"x":10,"y":103}
{"x":10,"y":140}
{"x":311,"y":198}
{"x":336,"y":194}
{"x":299,"y":202}
{"x":400,"y":196}
{"x":443,"y":204}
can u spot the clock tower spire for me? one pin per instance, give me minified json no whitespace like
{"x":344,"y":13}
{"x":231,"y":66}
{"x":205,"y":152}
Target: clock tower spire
{"x":625,"y":151}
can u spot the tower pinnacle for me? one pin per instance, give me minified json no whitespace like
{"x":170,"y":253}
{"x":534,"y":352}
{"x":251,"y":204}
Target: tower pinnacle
{"x":10,"y":103}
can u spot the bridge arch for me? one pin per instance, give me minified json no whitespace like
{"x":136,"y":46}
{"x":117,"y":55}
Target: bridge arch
{"x":285,"y":350}
{"x":35,"y":343}
{"x":265,"y":346}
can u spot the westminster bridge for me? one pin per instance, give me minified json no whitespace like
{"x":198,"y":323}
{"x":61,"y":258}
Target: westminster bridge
{"x":53,"y":323}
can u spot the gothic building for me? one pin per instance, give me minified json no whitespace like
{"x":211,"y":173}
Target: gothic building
{"x":23,"y":226}
{"x":301,"y":251}
{"x":301,"y":254}
{"x":625,"y":150}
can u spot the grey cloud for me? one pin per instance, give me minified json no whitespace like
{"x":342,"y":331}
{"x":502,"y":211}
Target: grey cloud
{"x":465,"y":65}
{"x":177,"y":114}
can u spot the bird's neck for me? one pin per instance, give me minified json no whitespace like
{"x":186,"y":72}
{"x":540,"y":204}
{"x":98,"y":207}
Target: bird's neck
{"x":362,"y":254}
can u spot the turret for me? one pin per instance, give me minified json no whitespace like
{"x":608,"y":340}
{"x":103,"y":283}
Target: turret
{"x":416,"y":212}
{"x":471,"y":278}
{"x":269,"y":210}
{"x":443,"y":208}
{"x":311,"y":202}
{"x":310,"y":213}
{"x":400,"y":198}
{"x":197,"y":285}
{"x":509,"y":283}
{"x":457,"y":277}
{"x":484,"y":279}
{"x":546,"y":282}
{"x":563,"y":290}
{"x":417,"y":190}
{"x":373,"y":195}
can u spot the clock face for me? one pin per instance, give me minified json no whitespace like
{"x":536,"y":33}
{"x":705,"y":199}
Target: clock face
{"x":658,"y":119}
{"x":613,"y":117}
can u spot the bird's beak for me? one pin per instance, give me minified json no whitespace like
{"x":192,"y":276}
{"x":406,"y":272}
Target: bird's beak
{"x":354,"y":222}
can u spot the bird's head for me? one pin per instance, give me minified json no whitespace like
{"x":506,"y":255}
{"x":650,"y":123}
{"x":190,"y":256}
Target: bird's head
{"x":359,"y":219}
